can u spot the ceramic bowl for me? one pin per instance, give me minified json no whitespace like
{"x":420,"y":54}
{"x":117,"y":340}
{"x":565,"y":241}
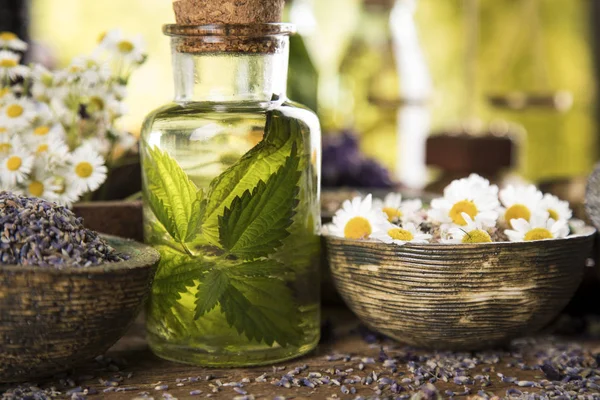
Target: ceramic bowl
{"x":458,"y":297}
{"x":51,"y":320}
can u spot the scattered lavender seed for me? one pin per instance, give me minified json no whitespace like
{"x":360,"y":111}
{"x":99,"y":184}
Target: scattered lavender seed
{"x":240,"y":390}
{"x":161,"y":387}
{"x":195,"y":392}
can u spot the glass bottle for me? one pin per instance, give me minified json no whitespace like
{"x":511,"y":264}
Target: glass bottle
{"x":231,"y":175}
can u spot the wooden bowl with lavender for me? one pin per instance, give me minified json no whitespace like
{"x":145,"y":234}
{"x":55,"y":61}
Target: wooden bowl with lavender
{"x":458,"y":297}
{"x":67,"y":294}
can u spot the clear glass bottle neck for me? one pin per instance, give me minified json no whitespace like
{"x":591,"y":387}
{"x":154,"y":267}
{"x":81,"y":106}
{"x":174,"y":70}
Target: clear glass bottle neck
{"x":222,"y":77}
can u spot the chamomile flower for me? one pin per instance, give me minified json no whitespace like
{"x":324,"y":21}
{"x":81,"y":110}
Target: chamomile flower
{"x":472,"y":232}
{"x":398,"y":210}
{"x":91,"y":70}
{"x":16,"y":165}
{"x":86,"y":168}
{"x":9,"y":65}
{"x":130,"y":49}
{"x":67,"y":192}
{"x":400,"y":235}
{"x":44,"y":132}
{"x":557,"y":208}
{"x":519,"y":202}
{"x":51,"y":153}
{"x":41,"y":185}
{"x":473,"y":195}
{"x":539,"y":227}
{"x":8,"y":143}
{"x":17,"y":113}
{"x":357,"y":219}
{"x":9,"y":40}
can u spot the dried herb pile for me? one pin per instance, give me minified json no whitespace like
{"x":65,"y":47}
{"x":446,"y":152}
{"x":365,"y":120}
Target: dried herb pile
{"x":36,"y":232}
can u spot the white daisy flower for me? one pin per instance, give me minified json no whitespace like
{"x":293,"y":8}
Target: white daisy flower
{"x":539,"y":227}
{"x":472,"y":232}
{"x":9,"y":40}
{"x":86,"y":168}
{"x":519,"y":202}
{"x":16,"y":165}
{"x":7,"y":144}
{"x":17,"y":113}
{"x":10,"y":67}
{"x":68,"y":191}
{"x":473,"y":195}
{"x":398,"y":210}
{"x":90,"y":69}
{"x":131,"y":49}
{"x":357,"y":219}
{"x":51,"y":153}
{"x":41,"y":185}
{"x":44,"y":132}
{"x":408,"y":232}
{"x":557,"y":208}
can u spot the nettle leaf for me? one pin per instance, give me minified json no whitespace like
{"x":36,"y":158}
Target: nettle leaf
{"x":262,"y":268}
{"x":258,"y":164}
{"x":174,"y":199}
{"x":176,"y":273}
{"x":263,"y":309}
{"x":210,"y":291}
{"x":255,"y":224}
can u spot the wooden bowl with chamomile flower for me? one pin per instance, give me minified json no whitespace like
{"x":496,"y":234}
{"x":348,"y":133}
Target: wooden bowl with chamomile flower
{"x":464,"y":296}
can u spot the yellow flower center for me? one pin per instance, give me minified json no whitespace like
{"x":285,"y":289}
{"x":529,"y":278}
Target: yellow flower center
{"x":538,"y":234}
{"x":101,"y":37}
{"x":4,"y":147}
{"x":75,"y":68}
{"x":477,"y":236}
{"x":14,"y":163}
{"x":8,"y":63}
{"x":42,"y":148}
{"x":3,"y":130}
{"x":41,"y":130}
{"x":400,"y":234}
{"x":96,"y":103}
{"x":357,"y":228}
{"x":14,"y":111}
{"x":36,"y":188}
{"x":125,"y":46}
{"x":6,"y":36}
{"x":3,"y":92}
{"x":463,"y":206}
{"x":84,"y":169}
{"x":553,"y":214}
{"x":517,"y":211}
{"x":392,"y":213}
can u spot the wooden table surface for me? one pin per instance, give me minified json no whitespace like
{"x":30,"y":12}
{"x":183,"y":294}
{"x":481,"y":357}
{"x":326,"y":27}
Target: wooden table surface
{"x":131,"y":371}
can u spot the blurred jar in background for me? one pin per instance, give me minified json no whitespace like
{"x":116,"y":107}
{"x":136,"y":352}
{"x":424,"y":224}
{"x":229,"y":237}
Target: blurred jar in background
{"x":371,"y":82}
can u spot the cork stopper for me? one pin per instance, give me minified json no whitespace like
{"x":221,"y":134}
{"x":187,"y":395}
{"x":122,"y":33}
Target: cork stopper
{"x":214,"y":26}
{"x":204,"y":12}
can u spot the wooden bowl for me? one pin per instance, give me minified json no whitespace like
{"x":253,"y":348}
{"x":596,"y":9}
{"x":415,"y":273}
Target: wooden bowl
{"x":52,"y":320}
{"x":458,"y":297}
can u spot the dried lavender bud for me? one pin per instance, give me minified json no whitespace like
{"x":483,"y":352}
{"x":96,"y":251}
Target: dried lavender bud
{"x":38,"y":232}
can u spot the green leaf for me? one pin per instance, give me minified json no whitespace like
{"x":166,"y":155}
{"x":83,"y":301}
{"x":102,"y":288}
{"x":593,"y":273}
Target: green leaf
{"x":255,"y":224}
{"x":174,"y":199}
{"x":262,"y":268}
{"x":209,"y":292}
{"x":176,"y":273}
{"x":257,"y":164}
{"x":263,"y":309}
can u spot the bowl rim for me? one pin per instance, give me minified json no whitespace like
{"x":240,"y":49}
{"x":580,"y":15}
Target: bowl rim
{"x":148,"y":258}
{"x":587,"y":232}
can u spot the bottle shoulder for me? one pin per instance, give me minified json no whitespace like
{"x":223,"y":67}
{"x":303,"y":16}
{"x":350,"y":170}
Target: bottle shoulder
{"x":202,"y":112}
